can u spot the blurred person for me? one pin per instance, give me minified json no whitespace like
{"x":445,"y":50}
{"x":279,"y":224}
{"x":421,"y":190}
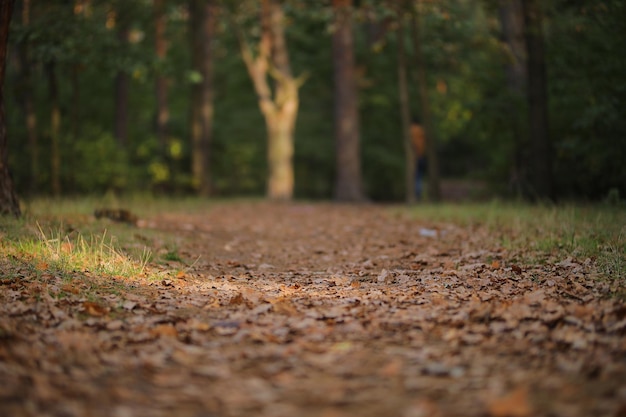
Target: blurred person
{"x":418,"y":138}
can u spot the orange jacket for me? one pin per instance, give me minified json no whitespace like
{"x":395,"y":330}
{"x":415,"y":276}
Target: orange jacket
{"x":419,"y":140}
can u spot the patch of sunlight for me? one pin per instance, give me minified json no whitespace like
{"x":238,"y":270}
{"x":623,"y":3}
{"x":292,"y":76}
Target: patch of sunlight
{"x":98,"y":253}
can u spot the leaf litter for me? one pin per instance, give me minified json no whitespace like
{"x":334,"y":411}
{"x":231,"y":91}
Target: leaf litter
{"x":318,"y":310}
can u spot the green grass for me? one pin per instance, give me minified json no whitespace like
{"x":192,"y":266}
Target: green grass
{"x":139,"y":204}
{"x":61,"y":238}
{"x":580,"y":231}
{"x":62,"y":252}
{"x":63,"y":234}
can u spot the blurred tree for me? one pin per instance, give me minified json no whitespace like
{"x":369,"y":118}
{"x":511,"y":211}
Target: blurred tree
{"x":8,"y":200}
{"x":512,"y":25}
{"x":55,"y":128}
{"x":26,"y":99}
{"x":121,"y":21}
{"x":280,"y":109}
{"x":541,"y":156}
{"x":434,"y":187}
{"x":203,"y":21}
{"x":348,"y":183}
{"x":480,"y":124}
{"x":161,"y":82}
{"x":586,"y":67}
{"x":405,"y":106}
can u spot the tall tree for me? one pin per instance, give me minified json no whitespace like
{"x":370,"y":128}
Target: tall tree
{"x":405,"y":108}
{"x":512,"y":26}
{"x":348,"y":185}
{"x":8,"y":200}
{"x":161,"y":86}
{"x":55,"y":128}
{"x":122,"y":82}
{"x":434,"y":188}
{"x":203,"y":25}
{"x":541,"y":147}
{"x":26,"y":98}
{"x":280,"y":106}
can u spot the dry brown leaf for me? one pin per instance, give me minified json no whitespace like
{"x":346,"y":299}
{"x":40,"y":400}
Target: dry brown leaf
{"x":284,"y":306}
{"x":514,"y":404}
{"x":94,"y":309}
{"x":70,"y":288}
{"x":392,"y":368}
{"x":41,"y":266}
{"x":164,"y":330}
{"x":67,"y":247}
{"x":237,"y":300}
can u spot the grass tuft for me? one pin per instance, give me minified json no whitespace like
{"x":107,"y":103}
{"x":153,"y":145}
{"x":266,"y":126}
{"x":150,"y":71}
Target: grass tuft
{"x":72,"y":252}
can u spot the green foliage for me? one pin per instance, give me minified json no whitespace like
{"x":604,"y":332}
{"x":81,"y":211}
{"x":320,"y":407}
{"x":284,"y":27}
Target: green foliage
{"x":464,"y":61}
{"x":101,"y":164}
{"x":589,"y":95}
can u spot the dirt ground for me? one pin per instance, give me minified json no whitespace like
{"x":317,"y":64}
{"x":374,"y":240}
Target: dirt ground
{"x":319,"y":310}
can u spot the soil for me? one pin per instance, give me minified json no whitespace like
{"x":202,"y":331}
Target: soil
{"x":317,"y":310}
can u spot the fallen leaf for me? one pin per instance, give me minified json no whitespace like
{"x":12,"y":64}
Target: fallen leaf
{"x":94,"y":309}
{"x":41,"y":266}
{"x":284,"y":306}
{"x":164,"y":330}
{"x":67,"y":247}
{"x":384,"y":276}
{"x":237,"y":300}
{"x":514,"y":404}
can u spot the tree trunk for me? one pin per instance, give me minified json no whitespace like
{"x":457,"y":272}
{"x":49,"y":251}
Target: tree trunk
{"x":27,"y":102}
{"x":203,"y":25}
{"x":8,"y":200}
{"x":280,"y":109}
{"x":55,"y":129}
{"x":541,"y":147}
{"x":434,"y":189}
{"x":348,"y":186}
{"x":512,"y":23}
{"x":405,"y":112}
{"x":122,"y":91}
{"x":163,"y":114}
{"x":280,"y":157}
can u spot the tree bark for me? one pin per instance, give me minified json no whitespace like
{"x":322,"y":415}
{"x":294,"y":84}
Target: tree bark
{"x":161,"y":85}
{"x":541,"y":147}
{"x":55,"y":129}
{"x":27,"y":102}
{"x":434,"y":188}
{"x":348,"y":186}
{"x":405,"y":111}
{"x":8,"y":200}
{"x":203,"y":25}
{"x":279,"y":109}
{"x":122,"y":91}
{"x":512,"y":24}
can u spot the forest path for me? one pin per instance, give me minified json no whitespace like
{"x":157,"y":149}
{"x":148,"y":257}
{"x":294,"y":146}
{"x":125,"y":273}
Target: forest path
{"x":329,"y":310}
